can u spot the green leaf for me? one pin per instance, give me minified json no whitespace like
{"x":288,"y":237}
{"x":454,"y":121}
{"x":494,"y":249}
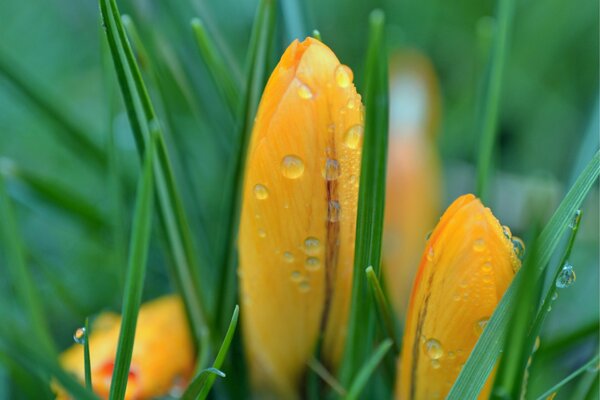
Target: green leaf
{"x":367,"y":370}
{"x":383,"y":308}
{"x":172,"y":215}
{"x":593,"y":363}
{"x":134,"y":281}
{"x":371,"y":199}
{"x":68,"y":131}
{"x":258,"y":56}
{"x":86,"y":356}
{"x":487,"y":118}
{"x":25,"y":288}
{"x":202,"y":384}
{"x":483,"y":357}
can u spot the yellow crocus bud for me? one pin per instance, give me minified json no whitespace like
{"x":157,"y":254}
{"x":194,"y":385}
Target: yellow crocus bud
{"x":297,"y":228}
{"x":413,"y":177}
{"x":163,"y":353}
{"x":468,"y":263}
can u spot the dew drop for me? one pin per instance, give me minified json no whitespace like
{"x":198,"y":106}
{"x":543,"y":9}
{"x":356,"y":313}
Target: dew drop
{"x":292,"y":167}
{"x":332,"y":170}
{"x":518,"y":247}
{"x":296,"y":276}
{"x":288,"y":257}
{"x":507,"y":232}
{"x":312,"y":245}
{"x":554,"y":296}
{"x":353,"y":179}
{"x":479,"y":245}
{"x":79,"y":335}
{"x":350,"y":104}
{"x":486,"y":267}
{"x":451,"y":355}
{"x":573,"y":222}
{"x":304,"y":286}
{"x":435,"y":364}
{"x":353,"y":136}
{"x":304,"y":91}
{"x":262,"y":233}
{"x":480,"y":325}
{"x":312,"y":263}
{"x":343,"y":76}
{"x":430,"y":254}
{"x":260,"y":191}
{"x":566,"y":277}
{"x":333,"y":211}
{"x":434,"y":349}
{"x":536,"y":344}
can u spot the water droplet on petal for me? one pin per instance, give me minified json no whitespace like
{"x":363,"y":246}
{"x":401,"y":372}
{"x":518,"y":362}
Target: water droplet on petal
{"x":304,"y":91}
{"x":353,"y":179}
{"x":333,"y":211}
{"x":479,"y":245}
{"x":435,"y":364}
{"x":566,"y":277}
{"x":260,"y":191}
{"x":518,"y":247}
{"x":312,"y":245}
{"x":79,"y":336}
{"x":486,"y":267}
{"x":304,"y":286}
{"x":312,"y":263}
{"x":343,"y":76}
{"x":507,"y":232}
{"x":262,"y":233}
{"x":353,"y":136}
{"x":480,"y":325}
{"x":434,"y":349}
{"x":430,"y":254}
{"x":296,"y":276}
{"x":288,"y":257}
{"x":292,"y":167}
{"x":451,"y":355}
{"x":350,"y":104}
{"x":332,"y":170}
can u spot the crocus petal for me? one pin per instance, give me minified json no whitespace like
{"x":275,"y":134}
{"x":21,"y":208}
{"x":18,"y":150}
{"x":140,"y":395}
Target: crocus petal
{"x":297,"y":228}
{"x":163,"y":352}
{"x":413,"y":173}
{"x":468,"y":263}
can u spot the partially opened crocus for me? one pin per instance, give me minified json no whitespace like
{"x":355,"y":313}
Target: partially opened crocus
{"x":163,"y":352}
{"x":297,"y":228}
{"x":413,"y":175}
{"x":468,"y":263}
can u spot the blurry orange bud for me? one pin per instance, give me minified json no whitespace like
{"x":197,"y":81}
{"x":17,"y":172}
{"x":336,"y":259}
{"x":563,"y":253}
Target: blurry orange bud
{"x":469,"y":262}
{"x":413,"y":173}
{"x":297,"y":228}
{"x":163,"y":353}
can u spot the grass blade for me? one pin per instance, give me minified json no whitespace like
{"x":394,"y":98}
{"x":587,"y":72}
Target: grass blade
{"x":25,"y":288}
{"x":487,"y":118}
{"x":369,"y":226}
{"x":86,"y":356}
{"x":367,"y":370}
{"x":322,"y":372}
{"x":134,"y":281}
{"x":383,"y":308}
{"x":68,"y":131}
{"x":200,"y":391}
{"x":260,"y":42}
{"x":215,"y":63}
{"x":170,"y":206}
{"x":199,"y":382}
{"x":585,"y":367}
{"x":483,"y":357}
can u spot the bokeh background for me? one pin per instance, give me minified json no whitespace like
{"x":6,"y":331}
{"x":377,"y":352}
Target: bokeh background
{"x":75,"y":217}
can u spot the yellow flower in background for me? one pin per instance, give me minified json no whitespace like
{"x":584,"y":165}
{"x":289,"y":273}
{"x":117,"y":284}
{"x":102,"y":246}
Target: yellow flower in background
{"x":163,"y":353}
{"x":413,"y":191}
{"x":297,"y":228}
{"x":468,"y":263}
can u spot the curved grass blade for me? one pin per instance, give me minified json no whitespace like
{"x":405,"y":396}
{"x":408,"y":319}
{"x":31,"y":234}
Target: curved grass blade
{"x":258,"y":55}
{"x":487,"y":118}
{"x":173,"y":218}
{"x":215,"y":63}
{"x":367,"y":370}
{"x":383,"y":308}
{"x":483,"y":357}
{"x":202,"y":384}
{"x":593,"y":363}
{"x":69,"y":132}
{"x":86,"y":356}
{"x":20,"y":275}
{"x":322,"y":372}
{"x":371,"y":198}
{"x":134,"y":281}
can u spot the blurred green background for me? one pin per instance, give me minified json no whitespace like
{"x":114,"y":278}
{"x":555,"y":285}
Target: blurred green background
{"x":548,"y":130}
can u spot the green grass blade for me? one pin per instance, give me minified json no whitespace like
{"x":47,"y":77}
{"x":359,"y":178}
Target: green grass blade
{"x":24,"y":286}
{"x":383,"y":308}
{"x":487,"y":118}
{"x":86,"y":356}
{"x":322,"y":372}
{"x":258,"y":55}
{"x":592,"y":393}
{"x":191,"y":393}
{"x":203,"y":392}
{"x":134,"y":281}
{"x":371,"y":199}
{"x":585,"y":367}
{"x":217,"y":66}
{"x":367,"y":370}
{"x":483,"y":357}
{"x":170,"y":206}
{"x":68,"y":131}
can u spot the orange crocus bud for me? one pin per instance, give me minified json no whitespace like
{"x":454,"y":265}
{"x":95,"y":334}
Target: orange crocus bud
{"x":297,"y":228}
{"x":163,"y":353}
{"x":468,"y":263}
{"x":413,"y":176}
